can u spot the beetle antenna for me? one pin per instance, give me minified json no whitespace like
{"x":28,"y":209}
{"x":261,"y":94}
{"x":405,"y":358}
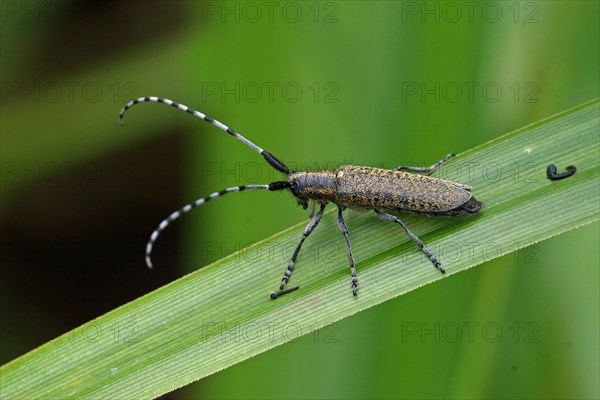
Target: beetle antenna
{"x":187,"y":208}
{"x":271,"y":159}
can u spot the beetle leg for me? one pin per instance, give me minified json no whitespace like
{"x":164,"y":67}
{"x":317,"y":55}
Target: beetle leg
{"x":425,"y":170}
{"x":416,"y":240}
{"x":344,"y":230}
{"x":307,"y":231}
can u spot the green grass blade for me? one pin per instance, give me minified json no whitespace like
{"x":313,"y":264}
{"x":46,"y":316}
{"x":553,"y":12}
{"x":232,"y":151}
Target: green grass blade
{"x":221,"y":314}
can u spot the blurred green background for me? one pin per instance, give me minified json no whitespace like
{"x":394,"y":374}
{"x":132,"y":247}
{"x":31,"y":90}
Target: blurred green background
{"x":316,"y":84}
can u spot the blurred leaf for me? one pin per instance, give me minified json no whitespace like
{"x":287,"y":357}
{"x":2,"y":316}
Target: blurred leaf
{"x":221,"y":314}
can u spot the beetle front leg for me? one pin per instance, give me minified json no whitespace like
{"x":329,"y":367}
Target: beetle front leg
{"x":307,"y":231}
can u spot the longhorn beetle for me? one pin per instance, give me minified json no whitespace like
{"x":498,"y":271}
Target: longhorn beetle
{"x":359,"y":188}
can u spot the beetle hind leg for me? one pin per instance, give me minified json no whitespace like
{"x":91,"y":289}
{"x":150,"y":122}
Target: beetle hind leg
{"x":425,"y":170}
{"x":416,"y":240}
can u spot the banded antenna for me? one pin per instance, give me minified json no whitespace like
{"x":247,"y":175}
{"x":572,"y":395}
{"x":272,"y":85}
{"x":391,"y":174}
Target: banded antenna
{"x":271,"y":159}
{"x":274,"y":162}
{"x":189,"y":207}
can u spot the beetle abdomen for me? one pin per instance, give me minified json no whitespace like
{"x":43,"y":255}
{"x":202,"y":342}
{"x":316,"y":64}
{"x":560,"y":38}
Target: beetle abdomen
{"x":369,"y":188}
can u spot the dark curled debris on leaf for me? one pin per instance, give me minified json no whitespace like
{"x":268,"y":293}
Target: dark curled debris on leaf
{"x":554,"y":176}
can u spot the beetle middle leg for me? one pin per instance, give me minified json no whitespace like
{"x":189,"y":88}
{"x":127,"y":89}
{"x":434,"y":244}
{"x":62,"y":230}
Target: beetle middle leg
{"x":344,"y":230}
{"x":425,"y":170}
{"x":416,"y":240}
{"x":307,"y":231}
{"x":311,"y":213}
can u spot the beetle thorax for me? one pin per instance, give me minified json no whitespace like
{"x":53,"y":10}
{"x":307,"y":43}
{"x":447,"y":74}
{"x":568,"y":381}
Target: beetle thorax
{"x":313,"y":185}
